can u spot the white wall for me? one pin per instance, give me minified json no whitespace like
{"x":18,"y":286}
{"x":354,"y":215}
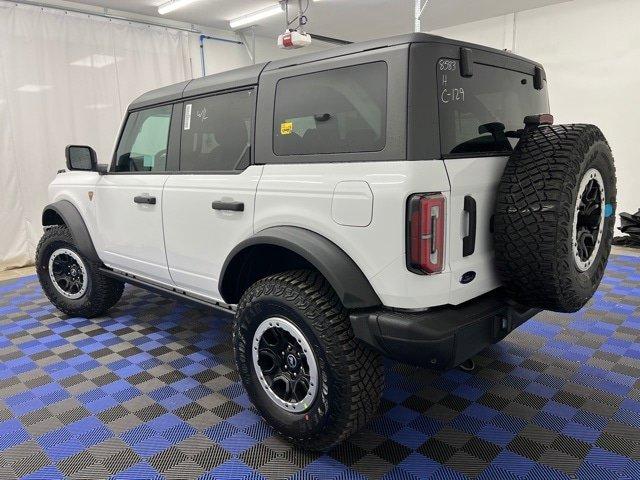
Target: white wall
{"x":590,"y":50}
{"x":66,"y":79}
{"x":221,"y":56}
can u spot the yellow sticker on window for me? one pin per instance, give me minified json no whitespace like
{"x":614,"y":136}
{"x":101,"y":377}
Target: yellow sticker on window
{"x":286,"y":128}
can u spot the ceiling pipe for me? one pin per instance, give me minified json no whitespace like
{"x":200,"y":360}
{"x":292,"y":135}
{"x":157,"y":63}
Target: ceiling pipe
{"x":335,"y":41}
{"x":217,"y":39}
{"x":419,"y":10}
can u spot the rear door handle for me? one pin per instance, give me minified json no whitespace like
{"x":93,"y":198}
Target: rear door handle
{"x":228,"y":206}
{"x":469,"y":242}
{"x":145,"y":199}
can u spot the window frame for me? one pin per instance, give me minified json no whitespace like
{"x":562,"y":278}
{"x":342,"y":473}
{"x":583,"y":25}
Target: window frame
{"x":170,"y":153}
{"x":184,"y":101}
{"x":396,"y":57}
{"x":308,"y":74}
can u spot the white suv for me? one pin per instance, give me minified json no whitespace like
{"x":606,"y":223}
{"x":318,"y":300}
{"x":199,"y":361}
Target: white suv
{"x":387,"y":198}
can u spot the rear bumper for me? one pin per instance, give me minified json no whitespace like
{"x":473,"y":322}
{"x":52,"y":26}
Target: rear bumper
{"x":442,"y":337}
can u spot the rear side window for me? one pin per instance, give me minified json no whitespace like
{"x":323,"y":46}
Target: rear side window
{"x":335,"y":111}
{"x":216,"y":133}
{"x":482,"y":114}
{"x":143,"y":145}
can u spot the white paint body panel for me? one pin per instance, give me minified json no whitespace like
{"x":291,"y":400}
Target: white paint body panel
{"x":75,"y":187}
{"x":301,"y":195}
{"x":198,"y":238}
{"x":479,"y":178}
{"x":352,"y":204}
{"x":361,"y":207}
{"x":132,"y":237}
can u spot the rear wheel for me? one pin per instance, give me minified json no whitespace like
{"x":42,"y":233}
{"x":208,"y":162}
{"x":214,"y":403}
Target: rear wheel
{"x":554,"y":217}
{"x":72,"y":282}
{"x":300,"y":363}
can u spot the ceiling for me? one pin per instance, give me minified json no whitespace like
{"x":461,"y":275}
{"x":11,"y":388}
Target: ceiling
{"x":348,"y":19}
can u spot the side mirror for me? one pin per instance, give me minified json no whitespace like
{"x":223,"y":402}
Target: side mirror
{"x":81,"y":157}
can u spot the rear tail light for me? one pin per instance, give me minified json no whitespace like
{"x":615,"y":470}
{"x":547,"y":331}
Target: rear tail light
{"x":425,"y":233}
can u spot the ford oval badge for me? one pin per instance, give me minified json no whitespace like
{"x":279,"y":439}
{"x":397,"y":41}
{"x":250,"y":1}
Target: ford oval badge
{"x":468,"y":278}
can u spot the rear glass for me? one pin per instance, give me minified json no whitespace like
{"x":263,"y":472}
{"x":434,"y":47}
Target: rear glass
{"x":482,"y":114}
{"x":334,"y":111}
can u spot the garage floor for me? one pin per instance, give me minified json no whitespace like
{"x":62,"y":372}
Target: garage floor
{"x":151,"y":392}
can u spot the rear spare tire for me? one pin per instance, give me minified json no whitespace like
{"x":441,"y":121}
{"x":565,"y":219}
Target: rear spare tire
{"x":554,"y":217}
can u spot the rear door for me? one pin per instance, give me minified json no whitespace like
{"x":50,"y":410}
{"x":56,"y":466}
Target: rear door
{"x":208,"y":207}
{"x":479,"y":121}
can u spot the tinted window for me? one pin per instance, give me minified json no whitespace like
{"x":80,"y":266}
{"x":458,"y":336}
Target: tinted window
{"x":336,"y":111}
{"x":216,"y":133}
{"x":483,"y":113}
{"x":143,"y":146}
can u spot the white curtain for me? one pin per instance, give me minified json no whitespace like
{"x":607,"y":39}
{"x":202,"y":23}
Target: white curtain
{"x":66,"y":78}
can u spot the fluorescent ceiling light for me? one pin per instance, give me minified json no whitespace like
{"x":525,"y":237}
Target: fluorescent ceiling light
{"x":173,"y":5}
{"x":98,"y":106}
{"x":29,"y":88}
{"x":96,"y":61}
{"x":253,"y":17}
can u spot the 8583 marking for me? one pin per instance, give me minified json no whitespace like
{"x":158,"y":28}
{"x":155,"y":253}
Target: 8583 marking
{"x":447,"y":65}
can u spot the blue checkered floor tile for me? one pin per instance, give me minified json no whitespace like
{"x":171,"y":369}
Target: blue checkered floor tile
{"x":151,"y":391}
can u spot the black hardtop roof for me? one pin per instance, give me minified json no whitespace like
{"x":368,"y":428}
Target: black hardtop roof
{"x":245,"y":76}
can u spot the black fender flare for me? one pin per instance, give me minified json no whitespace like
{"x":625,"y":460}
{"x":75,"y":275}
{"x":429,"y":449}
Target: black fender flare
{"x":69,"y":214}
{"x":342,"y":273}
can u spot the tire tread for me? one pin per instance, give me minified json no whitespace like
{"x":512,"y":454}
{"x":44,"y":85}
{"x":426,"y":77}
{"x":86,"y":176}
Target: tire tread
{"x":360,"y":378}
{"x":533,"y":223}
{"x":105,"y":292}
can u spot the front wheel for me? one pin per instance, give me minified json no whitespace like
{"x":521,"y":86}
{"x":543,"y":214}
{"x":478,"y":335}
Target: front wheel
{"x":72,"y":282}
{"x":300,"y":363}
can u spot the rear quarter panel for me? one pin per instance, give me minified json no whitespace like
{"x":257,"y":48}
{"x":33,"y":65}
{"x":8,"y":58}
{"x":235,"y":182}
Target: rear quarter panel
{"x":301,"y":195}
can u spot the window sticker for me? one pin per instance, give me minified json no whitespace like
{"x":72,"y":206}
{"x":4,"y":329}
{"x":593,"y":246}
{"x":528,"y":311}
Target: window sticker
{"x":187,"y":116}
{"x":286,"y":128}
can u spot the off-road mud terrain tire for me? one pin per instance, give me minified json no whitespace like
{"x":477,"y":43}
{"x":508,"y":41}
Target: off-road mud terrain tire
{"x":101,"y":293}
{"x":351,"y":376}
{"x":535,"y":213}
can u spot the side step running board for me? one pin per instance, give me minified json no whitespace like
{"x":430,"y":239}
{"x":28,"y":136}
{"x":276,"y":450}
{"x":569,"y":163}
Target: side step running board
{"x":168,"y":292}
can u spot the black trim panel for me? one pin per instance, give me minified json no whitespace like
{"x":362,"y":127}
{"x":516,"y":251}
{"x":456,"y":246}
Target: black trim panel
{"x":74,"y":222}
{"x":469,"y":242}
{"x":442,"y":337}
{"x":166,"y":291}
{"x":335,"y":265}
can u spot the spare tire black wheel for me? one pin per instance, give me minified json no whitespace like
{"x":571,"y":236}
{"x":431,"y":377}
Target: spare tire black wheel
{"x":554,"y":217}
